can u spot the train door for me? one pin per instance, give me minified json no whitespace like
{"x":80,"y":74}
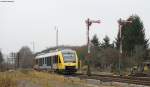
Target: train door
{"x":48,"y":62}
{"x":59,"y":63}
{"x":55,"y":62}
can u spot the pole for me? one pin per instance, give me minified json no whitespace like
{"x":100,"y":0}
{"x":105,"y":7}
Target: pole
{"x":120,"y":47}
{"x":121,"y":23}
{"x":7,"y":64}
{"x":88,"y":45}
{"x":33,"y":47}
{"x":88,"y":24}
{"x":56,"y":36}
{"x":88,"y":39}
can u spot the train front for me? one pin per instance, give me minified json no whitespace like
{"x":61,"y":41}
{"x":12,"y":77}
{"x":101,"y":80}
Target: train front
{"x":70,"y":61}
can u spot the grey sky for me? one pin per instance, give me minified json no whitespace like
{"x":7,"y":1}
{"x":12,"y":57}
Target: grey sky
{"x":25,"y":21}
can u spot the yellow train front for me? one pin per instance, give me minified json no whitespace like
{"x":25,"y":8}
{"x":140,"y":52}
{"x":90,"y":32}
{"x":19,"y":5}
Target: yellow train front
{"x":65,"y":60}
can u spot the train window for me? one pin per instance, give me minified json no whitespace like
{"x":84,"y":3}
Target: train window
{"x":69,"y":56}
{"x":40,"y":62}
{"x":45,"y":60}
{"x":55,"y":59}
{"x":51,"y":61}
{"x":48,"y":61}
{"x":36,"y":61}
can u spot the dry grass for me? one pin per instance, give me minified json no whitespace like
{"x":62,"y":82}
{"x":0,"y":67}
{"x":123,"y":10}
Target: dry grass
{"x":42,"y":79}
{"x":12,"y":79}
{"x":7,"y":80}
{"x":30,"y":78}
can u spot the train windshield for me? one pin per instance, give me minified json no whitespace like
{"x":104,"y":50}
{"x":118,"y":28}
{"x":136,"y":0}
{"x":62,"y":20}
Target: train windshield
{"x":69,"y":57}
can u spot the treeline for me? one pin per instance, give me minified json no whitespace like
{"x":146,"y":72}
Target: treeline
{"x":24,"y":58}
{"x":105,"y":55}
{"x":1,"y":61}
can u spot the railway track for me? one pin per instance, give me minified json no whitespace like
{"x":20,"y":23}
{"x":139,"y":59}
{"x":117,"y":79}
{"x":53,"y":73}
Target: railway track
{"x":123,"y":79}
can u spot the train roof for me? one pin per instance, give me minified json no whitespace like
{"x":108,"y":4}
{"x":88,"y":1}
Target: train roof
{"x":52,"y":52}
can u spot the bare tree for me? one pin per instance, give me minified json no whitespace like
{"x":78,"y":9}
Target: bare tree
{"x":1,"y":60}
{"x":25,"y":58}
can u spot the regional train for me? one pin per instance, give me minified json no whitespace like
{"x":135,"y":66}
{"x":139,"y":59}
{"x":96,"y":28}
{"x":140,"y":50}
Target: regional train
{"x":64,"y":60}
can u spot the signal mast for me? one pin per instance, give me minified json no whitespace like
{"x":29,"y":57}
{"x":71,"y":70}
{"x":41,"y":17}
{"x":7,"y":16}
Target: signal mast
{"x":88,"y":24}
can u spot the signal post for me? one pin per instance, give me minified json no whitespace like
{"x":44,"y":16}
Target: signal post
{"x":88,"y":24}
{"x":121,"y":23}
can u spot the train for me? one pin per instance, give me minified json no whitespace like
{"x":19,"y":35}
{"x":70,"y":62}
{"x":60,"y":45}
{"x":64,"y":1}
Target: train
{"x":59,"y":60}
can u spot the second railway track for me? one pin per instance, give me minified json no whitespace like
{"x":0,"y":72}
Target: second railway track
{"x":123,"y":79}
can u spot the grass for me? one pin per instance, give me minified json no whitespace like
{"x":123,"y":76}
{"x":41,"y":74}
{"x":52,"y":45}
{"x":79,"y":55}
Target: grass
{"x":7,"y":80}
{"x":31,"y":78}
{"x":12,"y":79}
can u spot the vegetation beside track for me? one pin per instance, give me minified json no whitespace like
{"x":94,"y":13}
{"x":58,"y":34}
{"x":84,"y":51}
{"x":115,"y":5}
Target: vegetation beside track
{"x":31,"y":78}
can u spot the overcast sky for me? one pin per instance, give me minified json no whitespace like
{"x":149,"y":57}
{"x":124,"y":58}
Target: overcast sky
{"x":25,"y":21}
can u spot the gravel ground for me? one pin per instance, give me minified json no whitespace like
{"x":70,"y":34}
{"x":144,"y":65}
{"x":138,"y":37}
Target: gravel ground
{"x":27,"y":83}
